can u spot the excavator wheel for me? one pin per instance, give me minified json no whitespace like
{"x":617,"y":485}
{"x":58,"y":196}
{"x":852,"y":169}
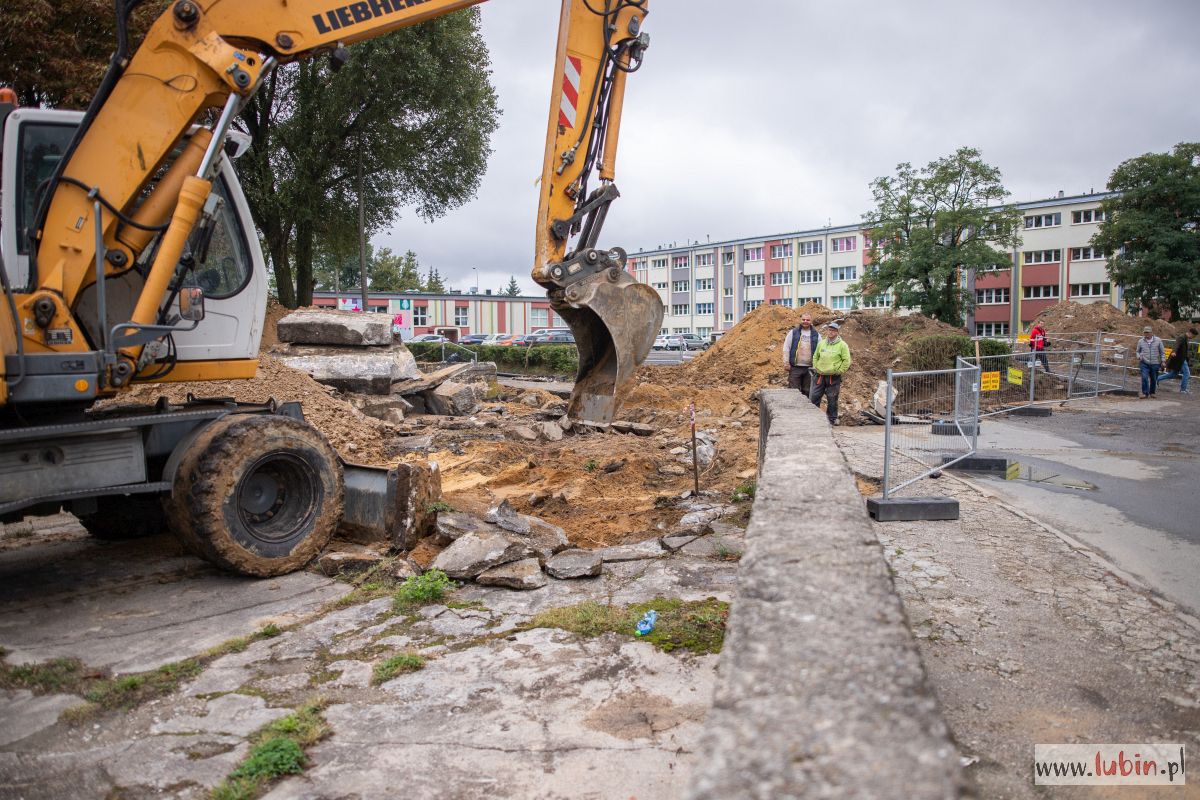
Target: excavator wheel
{"x":257,"y":494}
{"x":125,"y":517}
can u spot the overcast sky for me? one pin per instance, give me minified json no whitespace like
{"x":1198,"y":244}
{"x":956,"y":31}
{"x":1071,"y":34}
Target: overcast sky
{"x":764,"y":116}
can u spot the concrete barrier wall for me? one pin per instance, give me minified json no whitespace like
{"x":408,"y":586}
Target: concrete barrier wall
{"x":821,"y":691}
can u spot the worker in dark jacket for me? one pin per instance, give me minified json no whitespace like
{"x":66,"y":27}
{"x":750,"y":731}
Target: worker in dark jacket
{"x":798,"y":348}
{"x":1177,"y":364}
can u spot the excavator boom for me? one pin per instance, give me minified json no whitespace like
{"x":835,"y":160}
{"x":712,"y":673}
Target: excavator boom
{"x":109,"y":197}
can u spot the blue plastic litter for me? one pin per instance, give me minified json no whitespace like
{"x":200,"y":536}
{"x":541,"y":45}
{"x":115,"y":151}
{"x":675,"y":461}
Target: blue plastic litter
{"x":646,"y":623}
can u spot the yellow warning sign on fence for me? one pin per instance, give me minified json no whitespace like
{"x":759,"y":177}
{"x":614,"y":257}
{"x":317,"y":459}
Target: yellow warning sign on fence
{"x":1015,"y":376}
{"x":989,"y":382}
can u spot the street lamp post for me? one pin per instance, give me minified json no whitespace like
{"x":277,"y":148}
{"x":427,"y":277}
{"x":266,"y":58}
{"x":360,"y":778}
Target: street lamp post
{"x":478,"y":313}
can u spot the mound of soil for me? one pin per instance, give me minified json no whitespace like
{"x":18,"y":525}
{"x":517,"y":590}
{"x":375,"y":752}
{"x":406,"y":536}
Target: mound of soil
{"x":270,"y":336}
{"x":354,"y":435}
{"x":1072,"y":317}
{"x":749,"y":358}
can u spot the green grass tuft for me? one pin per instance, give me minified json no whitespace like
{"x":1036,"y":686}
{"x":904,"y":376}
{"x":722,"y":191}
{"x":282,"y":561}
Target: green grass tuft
{"x":438,"y":506}
{"x":422,"y":589}
{"x":696,"y":625}
{"x":590,"y":465}
{"x":746,"y":490}
{"x":278,"y":750}
{"x":397,"y":665}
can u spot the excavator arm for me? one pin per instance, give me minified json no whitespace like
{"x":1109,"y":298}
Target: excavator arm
{"x":110,"y":198}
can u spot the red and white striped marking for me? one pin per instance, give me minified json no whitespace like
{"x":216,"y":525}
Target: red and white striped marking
{"x":570,"y":93}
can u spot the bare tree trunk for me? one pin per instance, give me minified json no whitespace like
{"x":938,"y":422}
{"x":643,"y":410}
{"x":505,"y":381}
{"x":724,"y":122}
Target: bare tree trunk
{"x":362,"y":233}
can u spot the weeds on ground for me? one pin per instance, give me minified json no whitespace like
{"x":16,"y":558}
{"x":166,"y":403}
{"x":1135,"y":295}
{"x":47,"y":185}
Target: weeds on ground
{"x":277,"y":750}
{"x":696,"y":625}
{"x":744,"y":491}
{"x":723,"y":552}
{"x":420,"y":590}
{"x":438,"y":506}
{"x":590,"y":465}
{"x":396,"y":665}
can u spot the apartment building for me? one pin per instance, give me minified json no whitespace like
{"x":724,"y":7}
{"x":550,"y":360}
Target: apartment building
{"x":469,"y":313}
{"x":710,"y":286}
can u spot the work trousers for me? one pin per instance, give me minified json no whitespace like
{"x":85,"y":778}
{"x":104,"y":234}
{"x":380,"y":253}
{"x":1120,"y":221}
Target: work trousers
{"x":800,"y":377}
{"x":1149,"y":378}
{"x":829,"y":387}
{"x":1184,"y":373}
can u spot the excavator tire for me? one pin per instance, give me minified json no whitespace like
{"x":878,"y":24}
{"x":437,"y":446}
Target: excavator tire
{"x":126,"y":517}
{"x":257,"y":494}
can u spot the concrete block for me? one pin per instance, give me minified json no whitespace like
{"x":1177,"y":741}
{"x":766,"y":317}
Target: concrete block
{"x":1032,"y":411}
{"x":354,"y":369}
{"x":452,"y":399}
{"x":910,"y":509}
{"x":997,"y":464}
{"x":353,"y":328}
{"x":948,"y":427}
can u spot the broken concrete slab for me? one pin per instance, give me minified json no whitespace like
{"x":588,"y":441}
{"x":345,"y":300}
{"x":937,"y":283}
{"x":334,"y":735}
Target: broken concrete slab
{"x":574,"y":564}
{"x":452,"y":399}
{"x":424,"y":381}
{"x":544,"y":538}
{"x":230,"y":714}
{"x":631,"y":552}
{"x":389,"y":408}
{"x":363,"y":370}
{"x":524,"y":433}
{"x":473,"y":553}
{"x":348,"y":562}
{"x":636,"y":428}
{"x":507,"y":518}
{"x":523,"y":574}
{"x":701,"y":513}
{"x":22,"y":713}
{"x":453,"y":525}
{"x":409,"y":444}
{"x":551,"y":431}
{"x":355,"y":328}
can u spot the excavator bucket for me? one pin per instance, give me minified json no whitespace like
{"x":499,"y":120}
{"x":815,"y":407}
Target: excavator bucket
{"x":615,"y":320}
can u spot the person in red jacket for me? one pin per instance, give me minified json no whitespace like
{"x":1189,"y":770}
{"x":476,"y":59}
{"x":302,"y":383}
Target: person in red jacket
{"x":1037,"y":346}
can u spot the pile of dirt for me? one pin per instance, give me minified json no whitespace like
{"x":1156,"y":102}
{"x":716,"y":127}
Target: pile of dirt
{"x":270,"y":335}
{"x":1070,"y":317}
{"x":749,"y":357}
{"x":354,"y":435}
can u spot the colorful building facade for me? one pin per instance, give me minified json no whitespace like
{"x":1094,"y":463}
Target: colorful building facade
{"x":466,"y":313}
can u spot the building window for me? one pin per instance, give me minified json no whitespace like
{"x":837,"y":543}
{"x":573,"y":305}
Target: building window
{"x":1049,"y":292}
{"x":727,"y":291}
{"x":843,"y":273}
{"x":1043,"y":221}
{"x":658,"y":263}
{"x":680,"y":310}
{"x":704,"y":309}
{"x":841,"y":301}
{"x":844,"y":244}
{"x":1086,"y":254}
{"x":727,"y":258}
{"x":752,"y":254}
{"x":539,"y":317}
{"x":420,"y":316}
{"x":781,"y":278}
{"x":729,"y":318}
{"x":460,"y":316}
{"x":802,"y":300}
{"x":660,"y":285}
{"x":991,"y":329}
{"x":754,"y":280}
{"x":1090,"y":290}
{"x":782,"y":301}
{"x":704,"y":259}
{"x":680,"y":286}
{"x":681,"y":262}
{"x":811,"y":275}
{"x":781,"y":250}
{"x":992,"y":297}
{"x":681,"y":330}
{"x":1043,"y":256}
{"x":813,"y":248}
{"x":703,"y":332}
{"x":704,"y":284}
{"x":883,"y":301}
{"x":750,"y":305}
{"x":1090,"y":215}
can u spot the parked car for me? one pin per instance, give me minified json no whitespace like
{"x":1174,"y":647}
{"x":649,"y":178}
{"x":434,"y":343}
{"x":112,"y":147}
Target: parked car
{"x":474,"y":338}
{"x":429,"y":337}
{"x":692,"y":341}
{"x":504,"y":340}
{"x":660,"y":343}
{"x":557,"y":338}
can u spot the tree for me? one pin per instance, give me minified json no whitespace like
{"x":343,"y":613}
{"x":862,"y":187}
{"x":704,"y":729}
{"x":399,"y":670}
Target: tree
{"x":513,"y":290}
{"x":933,"y":225}
{"x":422,"y":134}
{"x":1151,"y":231}
{"x":392,"y":273}
{"x":56,"y":52}
{"x":433,"y":282}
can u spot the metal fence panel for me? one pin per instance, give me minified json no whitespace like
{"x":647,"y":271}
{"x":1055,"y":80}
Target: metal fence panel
{"x":932,"y":420}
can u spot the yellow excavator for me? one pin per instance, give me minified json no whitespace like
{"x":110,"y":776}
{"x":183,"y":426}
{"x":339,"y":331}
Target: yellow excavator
{"x":129,"y":256}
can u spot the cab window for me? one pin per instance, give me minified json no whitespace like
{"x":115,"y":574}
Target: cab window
{"x":42,"y":145}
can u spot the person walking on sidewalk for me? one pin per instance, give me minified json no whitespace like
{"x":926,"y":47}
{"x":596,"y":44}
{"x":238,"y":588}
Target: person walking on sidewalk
{"x":1150,"y":358}
{"x":1177,"y":364}
{"x":831,"y":359}
{"x":1037,"y":347}
{"x":798,"y":348}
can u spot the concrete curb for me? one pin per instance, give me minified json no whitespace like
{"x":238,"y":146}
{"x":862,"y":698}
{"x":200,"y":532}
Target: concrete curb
{"x":821,"y":692}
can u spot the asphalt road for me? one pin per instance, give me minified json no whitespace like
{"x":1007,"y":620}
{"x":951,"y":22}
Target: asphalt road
{"x":1121,"y":475}
{"x":671,"y":356}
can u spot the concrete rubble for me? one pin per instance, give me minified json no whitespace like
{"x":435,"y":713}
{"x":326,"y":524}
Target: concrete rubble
{"x":351,"y":328}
